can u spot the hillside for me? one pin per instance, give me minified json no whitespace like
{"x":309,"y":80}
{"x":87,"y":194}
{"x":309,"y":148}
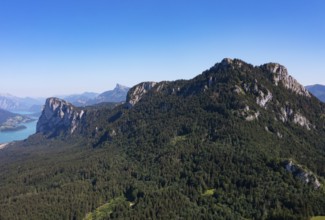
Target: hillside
{"x":236,"y":142}
{"x":5,"y":115}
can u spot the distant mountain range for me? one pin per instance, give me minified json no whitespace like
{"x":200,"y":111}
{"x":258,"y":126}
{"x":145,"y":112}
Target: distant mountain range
{"x":81,"y":99}
{"x":318,"y":91}
{"x":118,"y":94}
{"x":12,"y":103}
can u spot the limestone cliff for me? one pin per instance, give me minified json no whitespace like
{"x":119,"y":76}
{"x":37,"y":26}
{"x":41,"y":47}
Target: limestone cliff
{"x":59,"y":116}
{"x":137,"y":92}
{"x":280,"y":75}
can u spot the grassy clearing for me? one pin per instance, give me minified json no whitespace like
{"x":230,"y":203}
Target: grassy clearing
{"x":209,"y":192}
{"x":318,"y":218}
{"x":177,"y":139}
{"x":105,"y":210}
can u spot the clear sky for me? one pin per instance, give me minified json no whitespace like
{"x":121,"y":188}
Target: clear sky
{"x":54,"y":47}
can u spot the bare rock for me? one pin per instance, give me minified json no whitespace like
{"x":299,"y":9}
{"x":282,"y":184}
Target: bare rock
{"x":280,"y":75}
{"x":136,"y":93}
{"x":59,"y":115}
{"x":306,"y":176}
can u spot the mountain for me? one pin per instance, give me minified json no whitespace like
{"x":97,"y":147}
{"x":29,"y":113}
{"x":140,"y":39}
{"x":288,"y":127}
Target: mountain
{"x":118,"y":94}
{"x":318,"y":91}
{"x":236,"y":142}
{"x":13,"y":103}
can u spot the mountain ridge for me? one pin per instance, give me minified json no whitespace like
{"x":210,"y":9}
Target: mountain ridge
{"x":236,"y":141}
{"x":14,"y":103}
{"x":118,"y":94}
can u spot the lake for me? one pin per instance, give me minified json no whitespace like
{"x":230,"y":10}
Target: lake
{"x":30,"y":129}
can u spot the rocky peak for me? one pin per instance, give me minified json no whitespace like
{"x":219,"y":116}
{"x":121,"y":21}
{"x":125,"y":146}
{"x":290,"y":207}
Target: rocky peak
{"x":280,"y":74}
{"x":59,"y":116}
{"x":226,"y":61}
{"x":118,"y":94}
{"x":234,"y":63}
{"x":137,"y":92}
{"x":121,"y":87}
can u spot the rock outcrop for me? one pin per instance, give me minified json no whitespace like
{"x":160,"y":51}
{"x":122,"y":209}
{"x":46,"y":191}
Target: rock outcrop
{"x":306,"y":176}
{"x":280,"y":75}
{"x":59,"y":116}
{"x":263,"y":98}
{"x":287,"y":114}
{"x":233,"y":63}
{"x":137,"y":92}
{"x":302,"y":121}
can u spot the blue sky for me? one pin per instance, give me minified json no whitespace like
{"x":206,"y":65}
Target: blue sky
{"x":55,"y":47}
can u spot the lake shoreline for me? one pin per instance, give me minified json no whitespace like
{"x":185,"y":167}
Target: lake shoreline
{"x":18,"y":132}
{"x":13,"y":128}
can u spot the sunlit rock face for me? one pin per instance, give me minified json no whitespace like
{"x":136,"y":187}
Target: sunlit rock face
{"x":280,"y":75}
{"x":137,"y":92}
{"x":263,"y":99}
{"x":59,"y":116}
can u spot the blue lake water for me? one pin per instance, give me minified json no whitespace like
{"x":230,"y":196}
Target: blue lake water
{"x":30,"y":129}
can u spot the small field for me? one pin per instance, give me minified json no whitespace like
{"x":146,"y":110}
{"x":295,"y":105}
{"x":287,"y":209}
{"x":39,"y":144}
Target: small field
{"x":318,"y":218}
{"x":209,"y":192}
{"x":105,"y":210}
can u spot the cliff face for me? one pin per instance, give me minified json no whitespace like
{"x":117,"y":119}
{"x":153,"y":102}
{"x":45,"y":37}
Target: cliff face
{"x":137,"y":92}
{"x":280,"y":74}
{"x":59,"y":116}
